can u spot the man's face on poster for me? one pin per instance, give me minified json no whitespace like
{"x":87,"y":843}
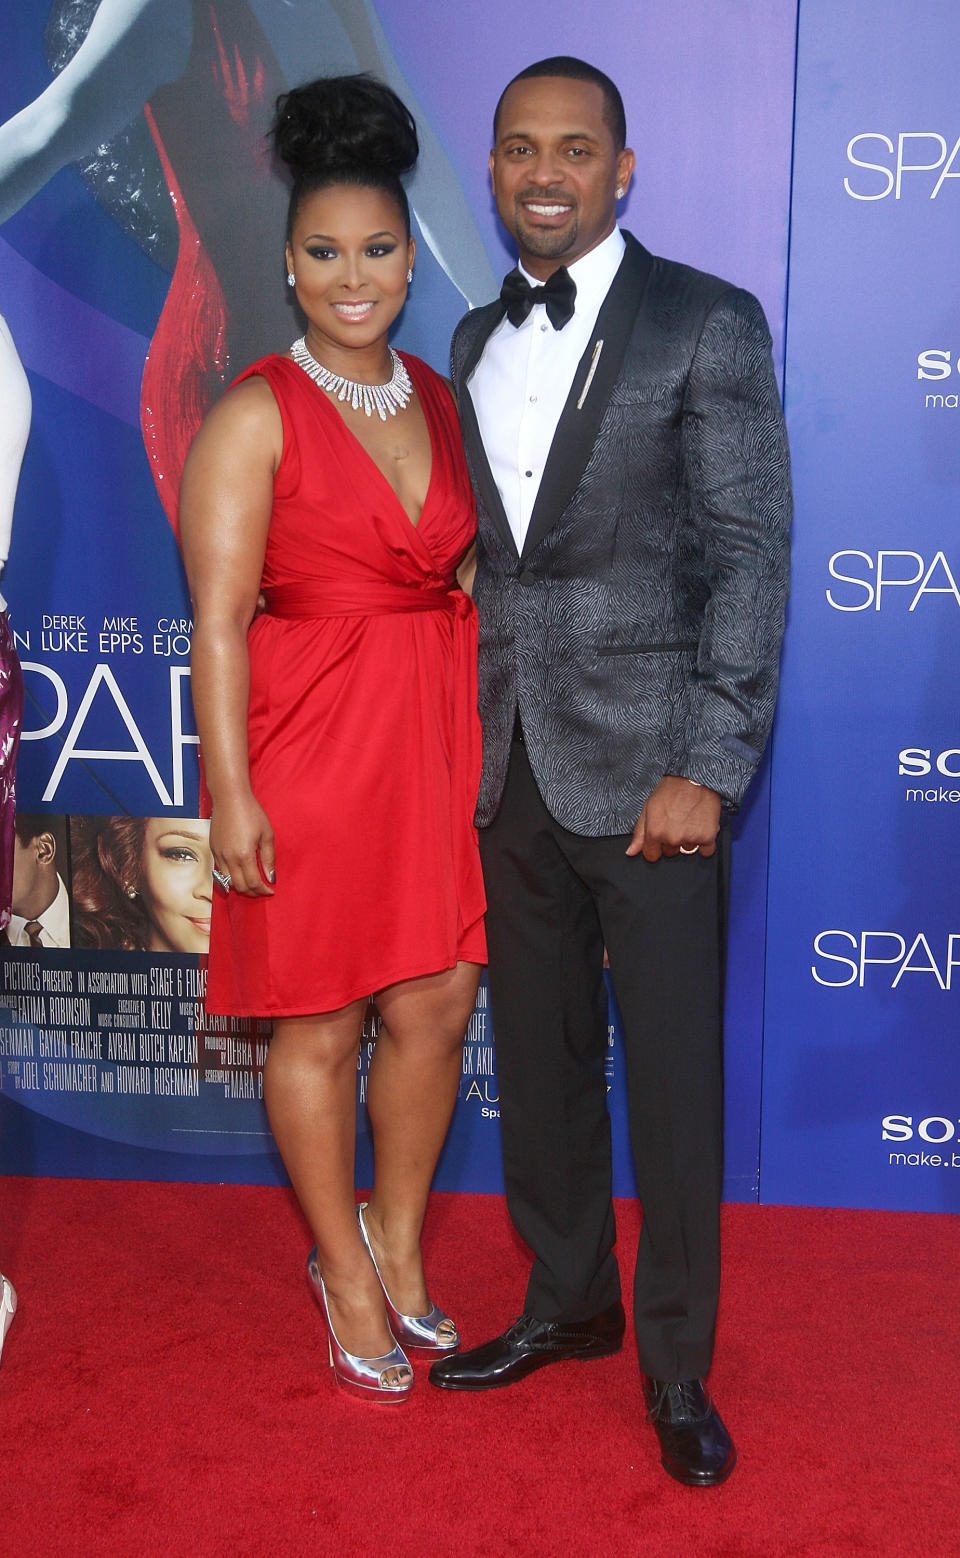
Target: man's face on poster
{"x":35,"y":880}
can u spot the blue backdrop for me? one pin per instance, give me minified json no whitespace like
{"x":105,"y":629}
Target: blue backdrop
{"x":861,"y":1089}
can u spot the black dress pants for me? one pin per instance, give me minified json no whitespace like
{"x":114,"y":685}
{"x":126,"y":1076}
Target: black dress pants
{"x":555,"y":898}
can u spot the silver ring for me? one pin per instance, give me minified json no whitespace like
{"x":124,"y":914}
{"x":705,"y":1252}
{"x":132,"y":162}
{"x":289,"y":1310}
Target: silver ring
{"x":684,"y":850}
{"x":222,"y":878}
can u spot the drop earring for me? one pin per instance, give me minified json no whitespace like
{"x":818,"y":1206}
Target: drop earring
{"x":291,"y":279}
{"x":131,"y":892}
{"x":409,"y":276}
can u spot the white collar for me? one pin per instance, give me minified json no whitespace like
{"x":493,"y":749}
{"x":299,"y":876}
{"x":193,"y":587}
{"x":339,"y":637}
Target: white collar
{"x":593,"y":272}
{"x":55,"y":919}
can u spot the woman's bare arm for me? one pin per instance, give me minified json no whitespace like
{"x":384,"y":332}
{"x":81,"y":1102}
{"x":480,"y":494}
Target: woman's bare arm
{"x":132,"y":47}
{"x":226,"y":499}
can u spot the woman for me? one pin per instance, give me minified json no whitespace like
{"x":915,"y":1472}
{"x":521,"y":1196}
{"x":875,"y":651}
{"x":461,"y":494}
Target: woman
{"x":339,"y":732}
{"x":141,"y":884}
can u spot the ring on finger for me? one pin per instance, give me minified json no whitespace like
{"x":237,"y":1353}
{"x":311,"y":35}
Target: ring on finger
{"x":222,"y":878}
{"x":689,"y":849}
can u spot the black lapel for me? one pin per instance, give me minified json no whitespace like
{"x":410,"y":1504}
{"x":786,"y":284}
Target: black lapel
{"x":577,"y":428}
{"x":488,"y":491}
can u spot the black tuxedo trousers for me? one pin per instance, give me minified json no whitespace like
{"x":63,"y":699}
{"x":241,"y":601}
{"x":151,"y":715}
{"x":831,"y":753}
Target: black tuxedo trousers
{"x":556,"y":899}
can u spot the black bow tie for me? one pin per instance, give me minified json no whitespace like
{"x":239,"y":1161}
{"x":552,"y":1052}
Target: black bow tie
{"x":558,"y":295}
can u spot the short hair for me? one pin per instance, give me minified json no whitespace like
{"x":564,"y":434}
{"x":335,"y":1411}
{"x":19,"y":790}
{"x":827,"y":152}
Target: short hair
{"x":571,"y":69}
{"x":30,"y":824}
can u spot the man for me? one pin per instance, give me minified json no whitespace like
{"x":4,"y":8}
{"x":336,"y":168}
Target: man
{"x":632,"y":484}
{"x":41,"y":907}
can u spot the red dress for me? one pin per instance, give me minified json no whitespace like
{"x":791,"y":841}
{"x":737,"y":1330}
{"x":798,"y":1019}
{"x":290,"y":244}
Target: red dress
{"x":364,"y":733}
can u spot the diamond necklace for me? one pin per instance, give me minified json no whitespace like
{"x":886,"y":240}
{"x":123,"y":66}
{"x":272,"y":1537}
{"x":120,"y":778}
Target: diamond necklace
{"x":368,"y":398}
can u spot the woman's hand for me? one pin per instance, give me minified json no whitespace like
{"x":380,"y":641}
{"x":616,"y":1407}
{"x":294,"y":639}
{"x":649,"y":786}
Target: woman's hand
{"x":241,"y":840}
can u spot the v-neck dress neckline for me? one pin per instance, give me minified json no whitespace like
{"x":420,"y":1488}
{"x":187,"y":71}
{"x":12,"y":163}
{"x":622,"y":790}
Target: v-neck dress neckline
{"x":364,"y":451}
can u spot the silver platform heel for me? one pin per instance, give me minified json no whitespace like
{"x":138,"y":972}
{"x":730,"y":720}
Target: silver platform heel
{"x":8,"y":1306}
{"x":363,"y":1376}
{"x":419,"y":1331}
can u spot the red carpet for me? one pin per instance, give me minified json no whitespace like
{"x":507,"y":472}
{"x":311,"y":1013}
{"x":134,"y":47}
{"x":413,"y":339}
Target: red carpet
{"x":165,"y":1390}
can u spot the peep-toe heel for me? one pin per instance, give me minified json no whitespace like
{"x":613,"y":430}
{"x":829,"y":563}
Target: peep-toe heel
{"x":362,"y":1377}
{"x":414,"y":1331}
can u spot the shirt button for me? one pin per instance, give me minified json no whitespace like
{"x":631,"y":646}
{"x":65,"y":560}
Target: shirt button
{"x":543,"y":329}
{"x":533,"y":400}
{"x":528,"y":473}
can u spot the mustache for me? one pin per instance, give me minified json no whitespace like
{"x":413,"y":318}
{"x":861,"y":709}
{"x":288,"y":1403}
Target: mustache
{"x":546,"y":196}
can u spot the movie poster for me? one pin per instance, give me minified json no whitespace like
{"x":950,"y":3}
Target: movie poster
{"x":141,"y":268}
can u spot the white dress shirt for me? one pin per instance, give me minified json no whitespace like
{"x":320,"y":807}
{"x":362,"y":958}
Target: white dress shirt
{"x":521,"y":383}
{"x":54,"y":923}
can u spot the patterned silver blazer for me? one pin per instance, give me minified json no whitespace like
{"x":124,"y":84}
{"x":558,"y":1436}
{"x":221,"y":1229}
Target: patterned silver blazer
{"x":639,"y":630}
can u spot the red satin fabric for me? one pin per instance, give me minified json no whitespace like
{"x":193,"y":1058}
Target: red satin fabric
{"x":364,"y":734}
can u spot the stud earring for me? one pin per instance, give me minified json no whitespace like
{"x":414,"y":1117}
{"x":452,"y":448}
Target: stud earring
{"x":291,"y":279}
{"x":409,"y":276}
{"x":620,"y":191}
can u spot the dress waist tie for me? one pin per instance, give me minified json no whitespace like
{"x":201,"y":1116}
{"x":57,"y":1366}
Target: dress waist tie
{"x":384,"y":599}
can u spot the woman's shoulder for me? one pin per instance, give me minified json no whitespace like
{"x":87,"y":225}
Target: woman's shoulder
{"x":250,"y":401}
{"x":273,"y":368}
{"x":247,"y":417}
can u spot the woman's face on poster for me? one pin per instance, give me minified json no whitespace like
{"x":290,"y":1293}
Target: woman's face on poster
{"x":176,"y":883}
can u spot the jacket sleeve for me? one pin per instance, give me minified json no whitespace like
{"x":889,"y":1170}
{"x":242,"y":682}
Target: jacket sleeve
{"x":737,"y":475}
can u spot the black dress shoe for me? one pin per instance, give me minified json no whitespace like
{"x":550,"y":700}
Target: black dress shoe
{"x":694,"y":1445}
{"x":526,"y":1345}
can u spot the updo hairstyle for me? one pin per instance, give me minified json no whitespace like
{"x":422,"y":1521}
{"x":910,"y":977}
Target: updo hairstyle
{"x":345,"y":130}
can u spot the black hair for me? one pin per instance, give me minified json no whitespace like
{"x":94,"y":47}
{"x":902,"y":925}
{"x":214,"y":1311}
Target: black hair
{"x":571,"y":69}
{"x":345,"y":130}
{"x":30,"y":824}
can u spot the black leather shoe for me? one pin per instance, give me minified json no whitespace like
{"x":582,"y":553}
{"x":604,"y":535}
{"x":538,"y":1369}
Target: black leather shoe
{"x":694,"y":1445}
{"x":526,"y":1345}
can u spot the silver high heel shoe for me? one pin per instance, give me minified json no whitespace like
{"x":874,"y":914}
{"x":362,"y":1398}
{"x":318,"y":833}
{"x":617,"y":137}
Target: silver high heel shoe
{"x":419,"y":1331}
{"x":8,"y":1306}
{"x":363,"y":1376}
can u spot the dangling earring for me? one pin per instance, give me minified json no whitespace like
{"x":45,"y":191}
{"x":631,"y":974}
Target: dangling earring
{"x":620,"y":191}
{"x":409,"y":276}
{"x":291,"y":279}
{"x":131,"y":892}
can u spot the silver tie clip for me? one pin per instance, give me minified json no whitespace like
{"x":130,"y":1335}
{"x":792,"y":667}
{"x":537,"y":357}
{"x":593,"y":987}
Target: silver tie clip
{"x":593,"y":368}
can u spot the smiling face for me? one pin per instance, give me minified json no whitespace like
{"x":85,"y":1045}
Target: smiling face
{"x":350,"y":252}
{"x":176,"y":883}
{"x":555,"y":170}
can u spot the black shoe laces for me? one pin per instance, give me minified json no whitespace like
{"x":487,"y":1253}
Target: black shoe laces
{"x":687,"y":1399}
{"x":518,"y":1330}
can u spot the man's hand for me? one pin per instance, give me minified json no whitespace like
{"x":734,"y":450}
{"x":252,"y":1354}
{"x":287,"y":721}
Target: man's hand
{"x":680,"y":817}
